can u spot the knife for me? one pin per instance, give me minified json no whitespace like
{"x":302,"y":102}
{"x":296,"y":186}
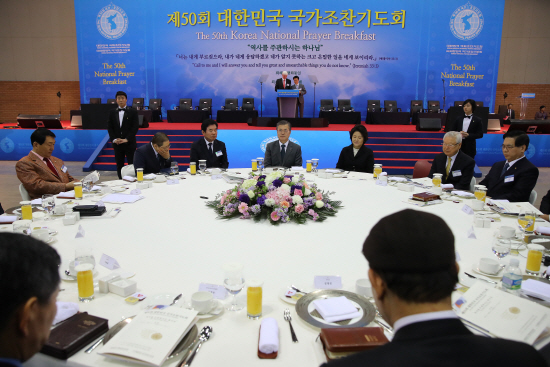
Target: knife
{"x":485,"y":280}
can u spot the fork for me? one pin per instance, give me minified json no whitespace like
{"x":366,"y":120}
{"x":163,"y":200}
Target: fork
{"x":289,"y":319}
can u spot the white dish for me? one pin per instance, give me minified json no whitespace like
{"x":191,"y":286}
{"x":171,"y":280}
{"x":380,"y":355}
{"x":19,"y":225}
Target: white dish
{"x":286,"y":299}
{"x":161,"y":299}
{"x":216,"y":310}
{"x":465,"y":280}
{"x":498,"y":274}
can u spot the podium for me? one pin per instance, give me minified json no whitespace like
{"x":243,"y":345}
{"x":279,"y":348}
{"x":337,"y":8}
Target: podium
{"x":287,"y":102}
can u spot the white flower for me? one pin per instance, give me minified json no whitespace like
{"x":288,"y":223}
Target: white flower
{"x":307,"y":192}
{"x":296,"y":179}
{"x":297,"y":200}
{"x":272,"y":177}
{"x":270,"y":202}
{"x":285,"y":187}
{"x":250,"y":194}
{"x":319,"y":204}
{"x":248,"y":184}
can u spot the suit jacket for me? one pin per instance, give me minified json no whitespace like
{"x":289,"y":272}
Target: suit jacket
{"x":293,"y":155}
{"x":545,"y":203}
{"x":475,"y":131}
{"x":524,"y":174}
{"x":38,"y":179}
{"x":461,"y":172}
{"x":511,"y":115}
{"x":199,"y":150}
{"x":279,"y":84}
{"x":445,"y":342}
{"x":362,"y":162}
{"x":304,"y":91}
{"x":129,"y":128}
{"x":146,"y":158}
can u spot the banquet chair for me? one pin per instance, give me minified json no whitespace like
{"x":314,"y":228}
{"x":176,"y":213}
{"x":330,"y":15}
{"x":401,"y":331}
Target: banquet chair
{"x":186,"y":104}
{"x":24,"y":193}
{"x":344,"y":105}
{"x":533,"y":197}
{"x":422,"y":168}
{"x":373,"y":105}
{"x":248,"y":104}
{"x":128,"y":170}
{"x":433,"y":106}
{"x":416,"y":106}
{"x":327,"y":105}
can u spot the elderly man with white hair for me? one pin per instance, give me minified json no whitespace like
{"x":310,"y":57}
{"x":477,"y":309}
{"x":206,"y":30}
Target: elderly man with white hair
{"x":282,"y":83}
{"x":456,"y":166}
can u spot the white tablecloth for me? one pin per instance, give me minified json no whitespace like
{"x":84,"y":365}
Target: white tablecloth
{"x":174,"y":242}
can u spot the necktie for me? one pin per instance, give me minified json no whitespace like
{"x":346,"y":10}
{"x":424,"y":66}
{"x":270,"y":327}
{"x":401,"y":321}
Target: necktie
{"x":121,"y":109}
{"x":504,"y":169}
{"x":282,"y":154}
{"x":50,"y":166}
{"x":448,"y":168}
{"x":284,"y":83}
{"x":210,"y":149}
{"x":467,"y":117}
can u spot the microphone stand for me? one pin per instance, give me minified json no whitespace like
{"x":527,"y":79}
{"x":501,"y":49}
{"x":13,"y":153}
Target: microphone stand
{"x":314,"y":85}
{"x":59,"y":95}
{"x":444,"y":96}
{"x":261,"y":99}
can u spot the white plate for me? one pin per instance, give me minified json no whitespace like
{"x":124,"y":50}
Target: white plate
{"x":164,"y":299}
{"x":284,"y":298}
{"x":498,"y":274}
{"x":465,"y":280}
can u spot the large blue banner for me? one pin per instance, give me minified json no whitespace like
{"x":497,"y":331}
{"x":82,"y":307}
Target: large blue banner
{"x":383,"y":50}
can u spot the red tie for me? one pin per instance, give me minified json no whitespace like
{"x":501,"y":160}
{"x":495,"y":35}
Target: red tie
{"x":284,"y":83}
{"x":51,"y":167}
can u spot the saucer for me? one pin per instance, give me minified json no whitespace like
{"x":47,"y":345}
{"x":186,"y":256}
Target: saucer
{"x":216,"y":310}
{"x":161,"y":299}
{"x":292,"y":300}
{"x":498,"y":274}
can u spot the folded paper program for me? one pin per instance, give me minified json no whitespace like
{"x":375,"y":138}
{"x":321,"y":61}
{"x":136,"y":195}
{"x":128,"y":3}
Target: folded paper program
{"x":447,"y":186}
{"x":544,"y":230}
{"x":269,"y":336}
{"x":336,"y":309}
{"x":122,"y":198}
{"x":6,"y":219}
{"x":463,"y":193}
{"x":66,"y":195}
{"x":537,"y":289}
{"x":64,"y":311}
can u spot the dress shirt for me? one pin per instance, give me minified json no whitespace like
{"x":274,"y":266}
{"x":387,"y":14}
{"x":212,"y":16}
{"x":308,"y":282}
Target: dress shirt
{"x":42,"y":159}
{"x":281,"y":145}
{"x":355,"y":151}
{"x":421,"y":317}
{"x":284,"y":83}
{"x":452,"y":161}
{"x":121,"y":115}
{"x":466,"y":123}
{"x":154,"y":150}
{"x":209,"y":142}
{"x":510,"y":164}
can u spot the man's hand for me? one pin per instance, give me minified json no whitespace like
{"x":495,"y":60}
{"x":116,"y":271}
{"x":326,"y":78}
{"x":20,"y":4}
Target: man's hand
{"x":464,"y":134}
{"x":164,"y":152}
{"x":545,"y":217}
{"x":121,"y":141}
{"x":69,"y":186}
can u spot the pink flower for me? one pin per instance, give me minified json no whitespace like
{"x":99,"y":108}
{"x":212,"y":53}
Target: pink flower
{"x":306,"y":185}
{"x":228,"y":192}
{"x":256,"y":177}
{"x":243,"y":207}
{"x":299,"y":208}
{"x":274,"y":216}
{"x":285,"y":204}
{"x":286,"y":180}
{"x":311,"y":212}
{"x":223,"y":199}
{"x":298,"y":192}
{"x":319,"y":196}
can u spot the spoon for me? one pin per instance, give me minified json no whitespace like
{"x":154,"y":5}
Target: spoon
{"x":175,"y":300}
{"x":204,"y":337}
{"x":205,"y":330}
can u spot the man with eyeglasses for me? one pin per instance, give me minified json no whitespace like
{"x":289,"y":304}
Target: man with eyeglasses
{"x":155,"y":156}
{"x":456,"y":167}
{"x":514,"y":178}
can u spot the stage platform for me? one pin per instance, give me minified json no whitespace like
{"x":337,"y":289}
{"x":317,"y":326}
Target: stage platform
{"x":396,"y":147}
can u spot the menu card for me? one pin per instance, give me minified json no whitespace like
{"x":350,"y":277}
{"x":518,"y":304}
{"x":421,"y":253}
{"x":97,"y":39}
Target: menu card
{"x":502,"y":314}
{"x":151,"y":336}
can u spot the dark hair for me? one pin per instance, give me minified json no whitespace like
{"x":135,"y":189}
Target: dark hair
{"x":39,"y":135}
{"x":28,"y":268}
{"x":296,"y":77}
{"x":284,"y":122}
{"x":520,"y":138}
{"x":509,"y":104}
{"x":159,"y":138}
{"x":362,"y":130}
{"x":541,"y":107}
{"x":121,"y":93}
{"x":421,"y":287}
{"x":471,"y":102}
{"x":207,"y":123}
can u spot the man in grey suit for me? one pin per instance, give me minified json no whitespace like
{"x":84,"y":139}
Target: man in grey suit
{"x":283,"y":152}
{"x":300,"y":86}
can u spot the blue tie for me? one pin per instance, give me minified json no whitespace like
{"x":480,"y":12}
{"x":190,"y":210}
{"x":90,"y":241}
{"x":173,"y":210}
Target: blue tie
{"x":504,"y":169}
{"x":282,"y":154}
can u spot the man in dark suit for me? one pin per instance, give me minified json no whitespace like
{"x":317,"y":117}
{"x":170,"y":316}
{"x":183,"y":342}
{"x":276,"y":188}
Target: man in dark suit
{"x":469,"y":126}
{"x":281,"y":83}
{"x":514,"y":178}
{"x":300,"y":104}
{"x":29,"y":288}
{"x":456,"y":167}
{"x":155,"y":156}
{"x":510,"y":113}
{"x":412,"y":282}
{"x":123,"y":125}
{"x":544,"y":206}
{"x":283,"y":152}
{"x":210,"y":149}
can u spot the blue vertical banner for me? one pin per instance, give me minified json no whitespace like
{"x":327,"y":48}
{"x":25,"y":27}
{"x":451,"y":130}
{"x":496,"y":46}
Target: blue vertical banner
{"x":384,"y":50}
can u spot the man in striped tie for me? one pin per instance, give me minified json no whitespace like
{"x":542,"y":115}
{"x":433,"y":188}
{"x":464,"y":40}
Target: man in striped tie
{"x":456,"y":166}
{"x":40,"y":172}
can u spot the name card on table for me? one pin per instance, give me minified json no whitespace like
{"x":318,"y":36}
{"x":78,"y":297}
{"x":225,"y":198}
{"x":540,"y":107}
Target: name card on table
{"x":80,"y":233}
{"x":173,"y":181}
{"x":466,"y":209}
{"x":381,"y":183}
{"x":216,"y":177}
{"x":471,"y":233}
{"x":218,"y":291}
{"x":109,"y":262}
{"x":328,"y":282}
{"x":135,"y":192}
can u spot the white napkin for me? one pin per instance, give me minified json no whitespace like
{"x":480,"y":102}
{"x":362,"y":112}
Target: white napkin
{"x":332,"y":170}
{"x":447,"y":186}
{"x":269,"y":336}
{"x":537,"y":289}
{"x":36,"y":201}
{"x":150,"y":176}
{"x":383,"y":174}
{"x":541,"y":230}
{"x":6,"y":219}
{"x":129,"y":178}
{"x":463,"y":193}
{"x":398,"y":179}
{"x":64,"y":311}
{"x":336,"y":309}
{"x":297,"y":168}
{"x":65,"y":195}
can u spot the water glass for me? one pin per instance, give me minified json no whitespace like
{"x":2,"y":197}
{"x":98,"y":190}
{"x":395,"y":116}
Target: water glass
{"x":314,"y":164}
{"x":48,"y":203}
{"x":202,"y":166}
{"x":84,"y":255}
{"x":260,"y":164}
{"x":501,"y":247}
{"x":234,"y":283}
{"x":526,"y":220}
{"x":174,"y":168}
{"x":87,"y":184}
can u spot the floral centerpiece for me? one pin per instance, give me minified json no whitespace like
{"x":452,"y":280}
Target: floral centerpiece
{"x":277,"y":197}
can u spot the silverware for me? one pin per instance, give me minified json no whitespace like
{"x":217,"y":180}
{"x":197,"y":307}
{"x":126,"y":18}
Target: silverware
{"x":115,"y":329}
{"x":289,"y":319}
{"x":205,"y":335}
{"x":485,"y":280}
{"x":382,"y":323}
{"x":297,"y":290}
{"x":175,"y":300}
{"x":187,"y":356}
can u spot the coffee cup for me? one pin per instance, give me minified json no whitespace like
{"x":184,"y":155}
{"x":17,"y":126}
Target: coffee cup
{"x":507,"y":232}
{"x":60,"y":209}
{"x":215,"y":171}
{"x":41,"y":234}
{"x":363,"y":287}
{"x":202,"y":301}
{"x":477,"y":204}
{"x":488,"y":265}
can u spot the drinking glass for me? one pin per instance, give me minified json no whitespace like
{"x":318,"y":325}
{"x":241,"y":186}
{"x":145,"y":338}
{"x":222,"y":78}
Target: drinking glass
{"x":234,"y":283}
{"x":87,"y":184}
{"x":436,"y":180}
{"x":260,"y":164}
{"x":48,"y":203}
{"x":85,"y":282}
{"x":534,"y":258}
{"x":254,"y":165}
{"x":308,"y":165}
{"x":78,"y":190}
{"x":84,"y":255}
{"x":314,"y":164}
{"x":202,"y":166}
{"x":480,"y":192}
{"x":22,"y":226}
{"x":501,"y":248}
{"x":526,"y":220}
{"x":174,"y":168}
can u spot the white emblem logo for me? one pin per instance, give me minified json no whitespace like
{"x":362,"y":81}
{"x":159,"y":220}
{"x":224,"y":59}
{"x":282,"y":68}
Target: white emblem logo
{"x":466,"y":22}
{"x":112,"y":22}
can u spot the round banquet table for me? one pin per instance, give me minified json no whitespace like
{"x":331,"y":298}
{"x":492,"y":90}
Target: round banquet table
{"x":174,"y":242}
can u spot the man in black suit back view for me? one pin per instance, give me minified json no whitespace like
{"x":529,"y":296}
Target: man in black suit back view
{"x":209,"y":148}
{"x":413,"y":272}
{"x":469,"y":126}
{"x":456,"y":167}
{"x":514,"y":178}
{"x":122,"y":126}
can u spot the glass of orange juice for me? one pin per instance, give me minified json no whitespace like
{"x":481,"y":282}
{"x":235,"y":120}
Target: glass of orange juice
{"x":308,"y":166}
{"x":139,"y":174}
{"x":377,"y":170}
{"x":26,"y":210}
{"x":78,"y":190}
{"x":534,"y":258}
{"x":480,"y":192}
{"x":85,"y":282}
{"x":436,"y":180}
{"x":526,"y":220}
{"x":193,"y":168}
{"x":254,"y":299}
{"x":254,"y":165}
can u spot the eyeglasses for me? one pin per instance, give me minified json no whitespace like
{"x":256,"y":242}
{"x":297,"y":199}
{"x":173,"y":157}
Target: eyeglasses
{"x":449,"y":145}
{"x":507,"y":147}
